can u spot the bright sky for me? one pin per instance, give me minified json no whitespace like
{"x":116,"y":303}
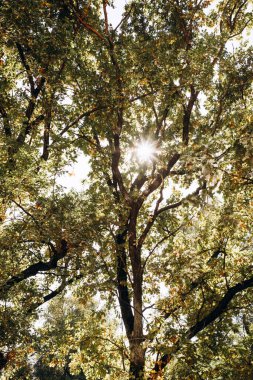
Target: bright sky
{"x":114,"y":14}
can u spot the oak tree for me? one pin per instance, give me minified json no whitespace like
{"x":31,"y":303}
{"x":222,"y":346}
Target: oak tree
{"x":161,"y":105}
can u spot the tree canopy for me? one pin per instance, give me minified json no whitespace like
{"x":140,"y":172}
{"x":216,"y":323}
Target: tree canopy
{"x":147,"y":267}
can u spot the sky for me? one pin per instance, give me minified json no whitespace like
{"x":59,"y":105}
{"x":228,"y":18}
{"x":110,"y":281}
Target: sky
{"x":114,"y":14}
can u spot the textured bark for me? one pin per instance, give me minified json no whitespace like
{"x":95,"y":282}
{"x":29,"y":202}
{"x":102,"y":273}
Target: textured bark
{"x":137,"y":353}
{"x":137,"y":361}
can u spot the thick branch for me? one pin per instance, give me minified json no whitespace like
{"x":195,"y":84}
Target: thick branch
{"x":55,"y":292}
{"x":160,"y":122}
{"x":80,"y":117}
{"x":6,"y":123}
{"x":206,"y":321}
{"x":161,"y":175}
{"x":106,"y":18}
{"x":40,"y":266}
{"x":26,"y":66}
{"x":179,"y":203}
{"x":117,"y":177}
{"x":139,"y":181}
{"x":27,"y":126}
{"x":158,"y":211}
{"x":220,"y":308}
{"x":187,"y":115}
{"x":85,"y":24}
{"x":46,"y":135}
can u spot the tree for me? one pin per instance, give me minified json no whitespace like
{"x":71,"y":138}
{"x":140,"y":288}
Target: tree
{"x":165,"y":80}
{"x":75,"y":339}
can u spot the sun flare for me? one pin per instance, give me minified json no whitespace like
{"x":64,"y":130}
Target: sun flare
{"x":145,"y":151}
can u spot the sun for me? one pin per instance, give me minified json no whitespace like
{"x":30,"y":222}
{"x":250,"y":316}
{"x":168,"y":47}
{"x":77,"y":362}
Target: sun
{"x":145,"y":151}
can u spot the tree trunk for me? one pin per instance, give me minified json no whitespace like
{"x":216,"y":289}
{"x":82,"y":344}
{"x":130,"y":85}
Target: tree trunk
{"x":137,"y":361}
{"x":137,"y":352}
{"x":131,"y":314}
{"x":3,"y":361}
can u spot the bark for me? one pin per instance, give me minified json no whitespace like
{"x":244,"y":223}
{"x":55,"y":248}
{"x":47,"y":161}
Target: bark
{"x":220,"y":308}
{"x":187,"y":115}
{"x":131,"y":315}
{"x":137,"y":361}
{"x":3,"y":361}
{"x":54,"y":293}
{"x":124,"y":298}
{"x":6,"y":123}
{"x":132,"y":320}
{"x":137,"y":352}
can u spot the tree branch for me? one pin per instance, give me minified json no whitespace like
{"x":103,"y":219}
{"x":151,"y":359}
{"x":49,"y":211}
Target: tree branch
{"x":81,"y":116}
{"x":40,"y":266}
{"x":27,"y":126}
{"x":220,"y":308}
{"x":187,"y":115}
{"x":54,"y":293}
{"x":85,"y":24}
{"x":163,"y":173}
{"x":26,"y":66}
{"x":202,"y":324}
{"x":6,"y":123}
